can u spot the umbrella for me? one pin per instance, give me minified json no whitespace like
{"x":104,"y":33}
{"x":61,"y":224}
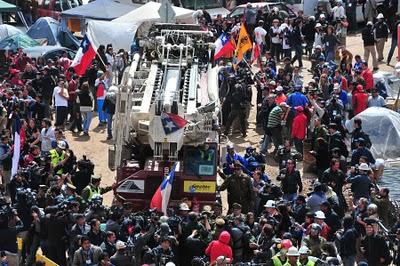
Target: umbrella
{"x":19,"y":40}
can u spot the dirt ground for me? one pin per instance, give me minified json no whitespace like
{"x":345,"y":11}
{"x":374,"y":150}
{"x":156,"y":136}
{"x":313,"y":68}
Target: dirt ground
{"x":96,"y":147}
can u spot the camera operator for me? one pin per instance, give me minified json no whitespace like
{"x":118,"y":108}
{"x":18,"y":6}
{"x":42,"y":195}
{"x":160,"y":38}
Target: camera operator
{"x":140,"y":238}
{"x":334,"y":107}
{"x":16,"y":183}
{"x":96,"y":209}
{"x":34,"y":235}
{"x":162,"y":254}
{"x":87,"y":254}
{"x":8,"y":239}
{"x":121,"y":258}
{"x":286,"y":152}
{"x":55,"y":224}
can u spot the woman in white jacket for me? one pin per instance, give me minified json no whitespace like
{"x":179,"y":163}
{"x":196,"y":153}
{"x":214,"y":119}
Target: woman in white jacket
{"x":318,"y":35}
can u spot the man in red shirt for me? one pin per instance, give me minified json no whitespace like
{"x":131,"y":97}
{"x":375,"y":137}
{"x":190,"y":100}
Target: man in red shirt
{"x":299,"y":128}
{"x":367,"y":76}
{"x":360,"y":100}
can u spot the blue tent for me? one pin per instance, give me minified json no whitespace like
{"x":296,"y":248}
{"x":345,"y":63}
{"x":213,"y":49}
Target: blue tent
{"x":19,"y":40}
{"x":99,"y":9}
{"x":50,"y":29}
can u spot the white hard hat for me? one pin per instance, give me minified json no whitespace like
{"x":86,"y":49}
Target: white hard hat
{"x":62,"y":144}
{"x":293,"y":252}
{"x":318,"y":25}
{"x":304,"y":250}
{"x":183,"y":207}
{"x":380,"y":16}
{"x":322,"y":16}
{"x":270,"y":204}
{"x":120,"y":245}
{"x":320,"y":215}
{"x":364,"y":167}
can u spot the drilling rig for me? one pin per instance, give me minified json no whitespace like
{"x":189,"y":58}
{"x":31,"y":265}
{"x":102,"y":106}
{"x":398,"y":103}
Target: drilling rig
{"x":167,"y":113}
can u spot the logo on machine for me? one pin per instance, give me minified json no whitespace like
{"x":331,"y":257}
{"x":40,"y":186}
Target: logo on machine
{"x":198,"y":186}
{"x":132,"y":186}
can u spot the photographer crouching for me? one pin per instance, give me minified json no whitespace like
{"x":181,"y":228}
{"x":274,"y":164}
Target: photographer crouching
{"x":10,"y":226}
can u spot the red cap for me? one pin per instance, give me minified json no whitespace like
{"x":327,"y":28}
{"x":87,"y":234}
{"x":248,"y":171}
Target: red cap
{"x":299,"y":108}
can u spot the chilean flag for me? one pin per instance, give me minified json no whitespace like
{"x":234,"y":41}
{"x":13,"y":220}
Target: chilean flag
{"x":84,"y":56}
{"x":172,"y":122}
{"x":160,"y":199}
{"x":224,"y":47}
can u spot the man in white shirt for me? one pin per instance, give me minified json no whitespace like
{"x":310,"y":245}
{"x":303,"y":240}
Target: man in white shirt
{"x":60,"y":95}
{"x":260,"y":34}
{"x":276,"y":44}
{"x":338,"y":11}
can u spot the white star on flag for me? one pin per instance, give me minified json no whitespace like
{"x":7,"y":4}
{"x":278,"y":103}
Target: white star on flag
{"x":170,"y":125}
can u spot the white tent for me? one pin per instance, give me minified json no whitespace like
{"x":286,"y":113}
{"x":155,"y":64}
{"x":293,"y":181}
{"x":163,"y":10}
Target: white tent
{"x":383,"y":127}
{"x":149,"y":13}
{"x":119,"y":34}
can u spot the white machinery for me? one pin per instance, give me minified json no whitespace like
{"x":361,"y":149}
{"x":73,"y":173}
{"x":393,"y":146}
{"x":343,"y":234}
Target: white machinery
{"x":172,"y":74}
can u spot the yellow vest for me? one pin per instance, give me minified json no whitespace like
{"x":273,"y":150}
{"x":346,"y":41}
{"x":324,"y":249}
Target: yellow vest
{"x":288,"y":264}
{"x":56,"y":158}
{"x":93,"y":192}
{"x":277,"y":261}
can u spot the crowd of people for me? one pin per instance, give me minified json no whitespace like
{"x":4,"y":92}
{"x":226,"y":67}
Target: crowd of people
{"x":54,"y":203}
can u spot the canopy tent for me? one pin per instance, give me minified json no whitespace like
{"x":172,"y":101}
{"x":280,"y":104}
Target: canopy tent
{"x":7,"y":31}
{"x":99,"y":9}
{"x":16,"y":41}
{"x":7,"y":7}
{"x":119,"y":34}
{"x":149,"y":13}
{"x":50,"y":29}
{"x":383,"y":127}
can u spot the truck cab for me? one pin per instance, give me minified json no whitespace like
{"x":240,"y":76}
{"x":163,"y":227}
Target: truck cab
{"x":53,"y":8}
{"x":194,"y":179}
